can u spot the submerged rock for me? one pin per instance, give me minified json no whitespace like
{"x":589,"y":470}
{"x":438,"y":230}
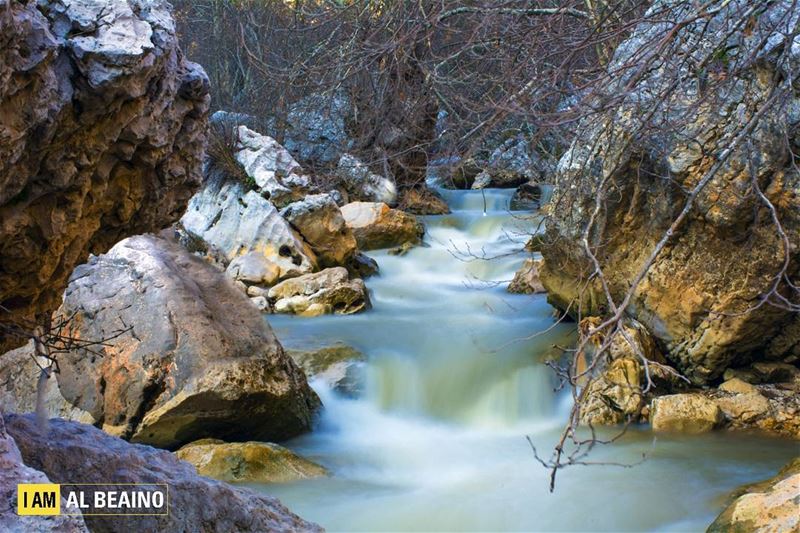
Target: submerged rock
{"x":376,"y":225}
{"x":102,"y":130}
{"x":319,"y":220}
{"x":14,"y":471}
{"x":325,"y":292}
{"x":765,"y":507}
{"x":364,"y":185}
{"x":527,"y":197}
{"x":526,"y":280}
{"x":192,"y":358}
{"x":253,"y":462}
{"x":341,"y":367}
{"x":78,"y":453}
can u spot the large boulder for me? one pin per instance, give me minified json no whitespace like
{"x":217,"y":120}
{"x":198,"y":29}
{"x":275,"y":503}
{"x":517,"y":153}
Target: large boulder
{"x":14,"y":471}
{"x":702,"y":295}
{"x":317,"y":128}
{"x":102,"y":129}
{"x":79,"y":453}
{"x":328,"y":291}
{"x":376,"y":225}
{"x":252,"y":462}
{"x":765,"y":507}
{"x":319,"y":220}
{"x":364,"y":185}
{"x":238,"y":223}
{"x":190,"y":358}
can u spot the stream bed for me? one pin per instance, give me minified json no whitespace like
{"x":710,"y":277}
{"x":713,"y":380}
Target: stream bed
{"x":454,"y":383}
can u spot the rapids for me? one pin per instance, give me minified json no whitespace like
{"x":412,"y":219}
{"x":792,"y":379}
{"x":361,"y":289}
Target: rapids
{"x":454,"y":383}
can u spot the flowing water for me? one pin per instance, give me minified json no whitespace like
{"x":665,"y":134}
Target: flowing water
{"x":454,"y":383}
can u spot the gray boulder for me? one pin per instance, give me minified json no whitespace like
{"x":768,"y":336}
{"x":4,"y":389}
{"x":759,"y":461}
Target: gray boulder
{"x":79,"y":453}
{"x":195,"y":358}
{"x":317,"y":128}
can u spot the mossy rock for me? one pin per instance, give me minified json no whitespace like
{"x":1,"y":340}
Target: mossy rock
{"x":255,"y":462}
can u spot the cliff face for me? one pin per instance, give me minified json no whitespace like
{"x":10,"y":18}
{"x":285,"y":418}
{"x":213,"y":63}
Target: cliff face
{"x":102,"y":129}
{"x":703,"y":296}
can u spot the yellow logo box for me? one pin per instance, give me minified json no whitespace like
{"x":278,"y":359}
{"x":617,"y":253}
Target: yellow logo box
{"x":38,"y":499}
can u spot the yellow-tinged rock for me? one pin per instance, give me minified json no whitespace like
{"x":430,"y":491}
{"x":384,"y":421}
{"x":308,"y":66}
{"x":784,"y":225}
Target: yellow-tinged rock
{"x":260,"y":462}
{"x":685,"y":413}
{"x":738,"y":386}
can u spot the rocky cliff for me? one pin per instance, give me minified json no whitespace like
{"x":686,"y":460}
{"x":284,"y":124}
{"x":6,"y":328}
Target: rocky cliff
{"x":722,"y":290}
{"x":102,"y":127}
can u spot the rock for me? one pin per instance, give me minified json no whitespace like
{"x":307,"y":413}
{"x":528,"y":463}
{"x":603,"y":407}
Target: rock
{"x":769,"y":506}
{"x":319,"y":220}
{"x":736,"y":385}
{"x":328,"y":291}
{"x":261,"y":303}
{"x":423,"y":201}
{"x":685,"y":413}
{"x":102,"y":131}
{"x":14,"y":471}
{"x":19,"y":376}
{"x":317,"y":128}
{"x":515,"y":162}
{"x":78,"y":453}
{"x":767,"y":408}
{"x":526,"y":280}
{"x":253,"y":268}
{"x":376,"y":225}
{"x":364,"y":185}
{"x":770,"y":372}
{"x":363,"y":266}
{"x":616,"y":395}
{"x":278,"y":177}
{"x":462,"y":175}
{"x":536,"y":243}
{"x":482,"y":181}
{"x":341,"y":367}
{"x":252,"y":462}
{"x":192,"y":358}
{"x":238,"y":222}
{"x":527,"y":197}
{"x":700,"y":296}
{"x":744,"y":407}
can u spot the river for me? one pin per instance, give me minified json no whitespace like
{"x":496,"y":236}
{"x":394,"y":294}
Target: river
{"x":454,"y":383}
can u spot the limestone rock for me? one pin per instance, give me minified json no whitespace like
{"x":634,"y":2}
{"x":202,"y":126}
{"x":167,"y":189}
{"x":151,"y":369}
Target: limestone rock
{"x":364,"y":185}
{"x":766,"y":507}
{"x":616,"y":395}
{"x":736,"y":385}
{"x":317,"y":128}
{"x":19,"y":376}
{"x":376,"y":225}
{"x":319,"y":220}
{"x":363,"y":266}
{"x":78,"y":453}
{"x":238,"y":222}
{"x":13,"y":471}
{"x":195,"y":359}
{"x":423,"y":201}
{"x":526,"y":280}
{"x":252,"y":462}
{"x":102,"y":130}
{"x":340,"y":366}
{"x":685,"y":413}
{"x":254,"y":268}
{"x":699,"y":297}
{"x":277,"y":175}
{"x":328,"y":291}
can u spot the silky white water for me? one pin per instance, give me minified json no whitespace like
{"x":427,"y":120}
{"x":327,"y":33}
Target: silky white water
{"x":454,"y":383}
